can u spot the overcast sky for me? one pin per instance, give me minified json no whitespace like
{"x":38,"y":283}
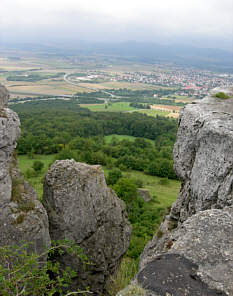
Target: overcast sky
{"x":201,"y":22}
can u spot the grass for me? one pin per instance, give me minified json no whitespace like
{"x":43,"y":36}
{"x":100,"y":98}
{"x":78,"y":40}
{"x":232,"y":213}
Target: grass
{"x":162,"y":194}
{"x":115,"y":107}
{"x":25,"y":163}
{"x":119,"y":138}
{"x":121,"y":279}
{"x":153,"y":113}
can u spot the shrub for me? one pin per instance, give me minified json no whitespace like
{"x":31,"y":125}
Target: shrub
{"x":38,"y":166}
{"x":222,"y":95}
{"x":26,"y":274}
{"x":113,"y":176}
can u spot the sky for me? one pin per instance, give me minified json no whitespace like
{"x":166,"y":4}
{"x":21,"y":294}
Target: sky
{"x":204,"y":23}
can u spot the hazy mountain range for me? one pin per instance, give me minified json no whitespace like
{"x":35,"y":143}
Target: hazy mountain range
{"x":205,"y":58}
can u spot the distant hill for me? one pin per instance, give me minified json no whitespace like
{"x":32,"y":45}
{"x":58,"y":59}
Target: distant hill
{"x":203,"y":58}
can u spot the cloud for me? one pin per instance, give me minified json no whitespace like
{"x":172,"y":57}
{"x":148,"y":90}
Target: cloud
{"x":122,"y":19}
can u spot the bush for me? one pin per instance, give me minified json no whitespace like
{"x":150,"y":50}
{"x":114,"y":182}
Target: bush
{"x":26,"y":274}
{"x":114,"y":176}
{"x":30,"y":173}
{"x":222,"y":95}
{"x":38,"y":166}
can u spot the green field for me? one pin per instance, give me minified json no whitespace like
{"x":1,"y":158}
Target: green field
{"x":154,"y":113}
{"x":115,"y":107}
{"x":108,"y":139}
{"x":26,"y":163}
{"x":164,"y":194}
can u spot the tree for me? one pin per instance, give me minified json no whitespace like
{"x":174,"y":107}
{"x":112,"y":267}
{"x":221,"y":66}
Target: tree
{"x":113,"y":176}
{"x":38,"y":166}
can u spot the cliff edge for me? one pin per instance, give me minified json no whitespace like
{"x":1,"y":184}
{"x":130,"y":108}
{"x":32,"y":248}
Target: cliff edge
{"x":192,"y":253}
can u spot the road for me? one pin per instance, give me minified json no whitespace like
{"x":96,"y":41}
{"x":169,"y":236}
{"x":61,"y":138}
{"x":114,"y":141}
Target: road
{"x":85,"y":87}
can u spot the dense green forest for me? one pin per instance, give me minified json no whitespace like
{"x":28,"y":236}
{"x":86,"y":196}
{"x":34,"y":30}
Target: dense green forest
{"x":63,"y":127}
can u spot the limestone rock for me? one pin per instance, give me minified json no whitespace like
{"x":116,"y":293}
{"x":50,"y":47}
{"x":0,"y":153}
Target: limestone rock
{"x":203,"y":157}
{"x":82,"y":208}
{"x":4,"y":97}
{"x":145,"y":194}
{"x":22,"y":216}
{"x":192,"y":252}
{"x":196,"y":258}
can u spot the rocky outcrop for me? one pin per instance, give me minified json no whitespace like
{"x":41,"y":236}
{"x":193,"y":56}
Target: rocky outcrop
{"x":203,"y":157}
{"x":192,"y":253}
{"x":22,"y":216}
{"x":82,"y":208}
{"x":4,"y":97}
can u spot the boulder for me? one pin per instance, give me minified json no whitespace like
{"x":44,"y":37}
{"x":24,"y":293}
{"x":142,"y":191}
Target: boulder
{"x":194,"y":259}
{"x":144,"y":194}
{"x":82,"y":208}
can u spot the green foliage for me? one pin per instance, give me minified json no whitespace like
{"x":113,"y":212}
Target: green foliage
{"x":222,"y":95}
{"x":113,"y":176}
{"x":122,"y":278}
{"x":126,"y":189}
{"x":25,"y":273}
{"x":142,"y":216}
{"x":43,"y":121}
{"x":38,"y":166}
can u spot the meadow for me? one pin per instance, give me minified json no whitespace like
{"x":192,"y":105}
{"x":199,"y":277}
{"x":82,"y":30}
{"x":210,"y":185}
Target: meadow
{"x":163,"y":194}
{"x":113,"y":107}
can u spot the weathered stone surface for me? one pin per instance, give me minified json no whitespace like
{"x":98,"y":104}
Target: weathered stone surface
{"x":192,"y":253}
{"x":82,"y":208}
{"x":203,"y":157}
{"x":145,"y":194}
{"x":205,"y":242}
{"x":4,"y":97}
{"x":22,"y":216}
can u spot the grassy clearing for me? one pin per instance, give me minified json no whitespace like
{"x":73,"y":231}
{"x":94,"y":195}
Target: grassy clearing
{"x":25,"y":163}
{"x":115,"y":107}
{"x":153,"y":113}
{"x":162,"y":194}
{"x":108,"y":139}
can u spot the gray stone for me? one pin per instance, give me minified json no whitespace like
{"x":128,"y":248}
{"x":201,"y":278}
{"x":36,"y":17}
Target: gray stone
{"x":145,"y":194}
{"x":22,"y":216}
{"x":203,"y":157}
{"x":192,"y":252}
{"x":82,"y":208}
{"x":4,"y":97}
{"x":204,"y":243}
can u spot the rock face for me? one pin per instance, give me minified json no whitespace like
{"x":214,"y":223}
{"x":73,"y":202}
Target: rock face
{"x":203,"y":157}
{"x":82,"y":208}
{"x":192,"y":253}
{"x":22,"y":216}
{"x":4,"y":97}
